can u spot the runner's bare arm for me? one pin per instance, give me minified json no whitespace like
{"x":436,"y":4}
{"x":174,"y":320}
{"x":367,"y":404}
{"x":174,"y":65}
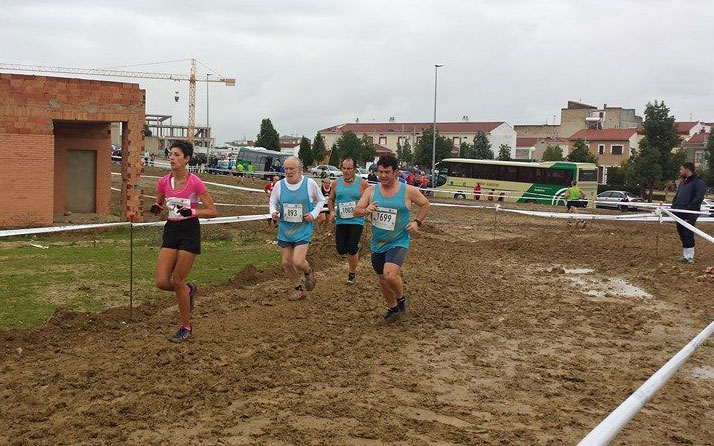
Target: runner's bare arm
{"x":414,"y":196}
{"x":365,"y":205}
{"x":331,"y":200}
{"x":363,"y":185}
{"x":209,"y":208}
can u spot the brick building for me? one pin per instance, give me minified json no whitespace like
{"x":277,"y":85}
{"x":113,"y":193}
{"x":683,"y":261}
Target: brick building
{"x":610,"y":146}
{"x":55,"y":146}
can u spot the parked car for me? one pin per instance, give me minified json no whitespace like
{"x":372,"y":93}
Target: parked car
{"x":362,"y":173}
{"x":618,"y":199}
{"x":325,"y":170}
{"x":708,"y":206}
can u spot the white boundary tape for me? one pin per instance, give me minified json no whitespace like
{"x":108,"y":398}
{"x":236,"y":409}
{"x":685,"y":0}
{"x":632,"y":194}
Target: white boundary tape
{"x":204,"y":221}
{"x":694,"y":229}
{"x":613,"y":424}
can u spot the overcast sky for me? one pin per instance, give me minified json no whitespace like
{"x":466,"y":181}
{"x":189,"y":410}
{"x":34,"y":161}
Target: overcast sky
{"x":308,"y":65}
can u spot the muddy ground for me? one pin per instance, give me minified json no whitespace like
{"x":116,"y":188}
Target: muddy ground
{"x":501,"y":348}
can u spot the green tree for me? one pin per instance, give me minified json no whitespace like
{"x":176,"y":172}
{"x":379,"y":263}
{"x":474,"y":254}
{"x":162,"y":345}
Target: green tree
{"x":654,"y":163}
{"x":553,"y":153}
{"x":423,"y":148}
{"x":319,"y":150}
{"x":482,"y":147}
{"x":466,"y":150}
{"x":268,"y":136}
{"x":305,"y":152}
{"x":404,"y":152}
{"x":147,"y":131}
{"x":367,"y":151}
{"x":504,"y":152}
{"x":334,"y":156}
{"x":709,"y":158}
{"x":348,"y":146}
{"x":581,"y":153}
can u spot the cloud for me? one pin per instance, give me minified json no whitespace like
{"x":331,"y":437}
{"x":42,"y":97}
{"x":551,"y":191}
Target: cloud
{"x":311,"y":64}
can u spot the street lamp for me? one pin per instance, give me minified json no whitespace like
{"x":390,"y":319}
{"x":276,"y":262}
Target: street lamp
{"x":433,"y":143}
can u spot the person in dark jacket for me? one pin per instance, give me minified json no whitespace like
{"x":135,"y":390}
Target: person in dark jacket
{"x":689,"y":197}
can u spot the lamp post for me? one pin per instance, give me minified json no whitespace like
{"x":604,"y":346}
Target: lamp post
{"x":433,"y":142}
{"x":208,"y":125}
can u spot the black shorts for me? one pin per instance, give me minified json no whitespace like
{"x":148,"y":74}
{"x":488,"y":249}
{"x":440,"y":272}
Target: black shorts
{"x":394,"y":255}
{"x":575,"y":204}
{"x":347,"y":238}
{"x":184,"y":235}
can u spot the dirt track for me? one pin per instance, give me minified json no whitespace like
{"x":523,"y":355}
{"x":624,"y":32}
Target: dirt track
{"x":498,"y":351}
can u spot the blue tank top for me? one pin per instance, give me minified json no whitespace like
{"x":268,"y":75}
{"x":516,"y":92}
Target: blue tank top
{"x":293,"y":206}
{"x":390,"y":220}
{"x":346,"y":198}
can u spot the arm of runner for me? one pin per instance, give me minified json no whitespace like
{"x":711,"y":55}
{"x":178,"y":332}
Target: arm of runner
{"x":415,"y":196}
{"x":331,"y":201}
{"x":316,"y":197}
{"x":366,"y":205}
{"x":158,"y":206}
{"x":209,"y":208}
{"x":363,"y":185}
{"x":275,"y":201}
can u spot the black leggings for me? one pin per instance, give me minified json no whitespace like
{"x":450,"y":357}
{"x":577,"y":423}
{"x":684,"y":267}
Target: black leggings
{"x":685,"y":235}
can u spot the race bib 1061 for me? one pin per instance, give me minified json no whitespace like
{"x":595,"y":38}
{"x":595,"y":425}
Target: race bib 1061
{"x":384,"y":218}
{"x":292,"y":213}
{"x":347,"y":210}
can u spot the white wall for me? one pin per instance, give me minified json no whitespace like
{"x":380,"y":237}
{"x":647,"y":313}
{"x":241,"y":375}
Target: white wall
{"x":503,"y":134}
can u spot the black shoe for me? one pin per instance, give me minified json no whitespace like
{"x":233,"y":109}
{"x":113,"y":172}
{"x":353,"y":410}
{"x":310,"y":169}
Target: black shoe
{"x":403,"y":305}
{"x":181,"y":335}
{"x":392,"y":315}
{"x":351,"y":278}
{"x":192,"y":289}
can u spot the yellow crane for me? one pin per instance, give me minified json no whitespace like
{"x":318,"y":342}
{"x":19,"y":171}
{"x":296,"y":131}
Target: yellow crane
{"x":191,"y":78}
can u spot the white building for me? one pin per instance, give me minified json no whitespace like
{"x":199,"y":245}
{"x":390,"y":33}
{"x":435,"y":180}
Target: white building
{"x":387,"y":134}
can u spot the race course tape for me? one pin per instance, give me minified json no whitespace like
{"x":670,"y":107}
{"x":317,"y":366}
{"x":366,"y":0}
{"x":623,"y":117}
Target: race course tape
{"x":217,"y":204}
{"x":204,"y":221}
{"x":689,"y":226}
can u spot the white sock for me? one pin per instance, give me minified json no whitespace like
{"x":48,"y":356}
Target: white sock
{"x":689,"y":253}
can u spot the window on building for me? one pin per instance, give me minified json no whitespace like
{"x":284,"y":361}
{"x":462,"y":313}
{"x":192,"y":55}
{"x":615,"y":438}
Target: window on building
{"x":418,"y":140}
{"x":401,"y":140}
{"x":601,"y":149}
{"x":457,"y":141}
{"x":382,"y":140}
{"x":616,"y":150}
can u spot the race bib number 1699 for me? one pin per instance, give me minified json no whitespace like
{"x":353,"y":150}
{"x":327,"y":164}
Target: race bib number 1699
{"x":384,"y":218}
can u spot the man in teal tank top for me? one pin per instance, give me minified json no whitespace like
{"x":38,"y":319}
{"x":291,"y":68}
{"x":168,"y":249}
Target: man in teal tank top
{"x":295,"y":203}
{"x":389,"y":203}
{"x":344,"y":195}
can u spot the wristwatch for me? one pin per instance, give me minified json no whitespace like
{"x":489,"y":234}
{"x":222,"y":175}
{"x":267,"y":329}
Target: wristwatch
{"x":418,"y":222}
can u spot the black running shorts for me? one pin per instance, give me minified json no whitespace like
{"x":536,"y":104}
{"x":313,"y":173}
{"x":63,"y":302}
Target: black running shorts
{"x":347,"y":238}
{"x":184,"y":235}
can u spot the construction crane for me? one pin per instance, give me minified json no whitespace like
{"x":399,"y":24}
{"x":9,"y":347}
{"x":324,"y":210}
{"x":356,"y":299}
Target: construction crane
{"x":191,"y":78}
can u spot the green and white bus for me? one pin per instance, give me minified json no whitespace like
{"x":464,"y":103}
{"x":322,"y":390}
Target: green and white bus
{"x":514,"y":181}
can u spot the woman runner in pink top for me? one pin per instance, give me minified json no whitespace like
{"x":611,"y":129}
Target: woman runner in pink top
{"x":180,"y":191}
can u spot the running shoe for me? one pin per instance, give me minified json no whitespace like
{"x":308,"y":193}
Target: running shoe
{"x":192,"y":289}
{"x":181,"y":335}
{"x":310,"y":280}
{"x":299,"y":294}
{"x":403,"y":305}
{"x":392,"y":315}
{"x":351,"y":278}
{"x":683,"y":260}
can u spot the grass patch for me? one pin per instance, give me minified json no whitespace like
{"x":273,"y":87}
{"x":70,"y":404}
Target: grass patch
{"x":91,"y":272}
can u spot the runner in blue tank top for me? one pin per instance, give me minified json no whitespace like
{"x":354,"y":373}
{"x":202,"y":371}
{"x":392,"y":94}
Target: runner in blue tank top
{"x":295,"y":203}
{"x":389,"y":204}
{"x":344,"y":195}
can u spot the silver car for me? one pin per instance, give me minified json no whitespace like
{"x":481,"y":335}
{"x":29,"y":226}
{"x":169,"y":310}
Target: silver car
{"x":618,"y":199}
{"x":325,"y":170}
{"x":708,"y":206}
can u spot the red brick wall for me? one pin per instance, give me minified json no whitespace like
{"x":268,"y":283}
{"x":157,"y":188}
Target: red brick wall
{"x":29,"y":108}
{"x":26,"y":167}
